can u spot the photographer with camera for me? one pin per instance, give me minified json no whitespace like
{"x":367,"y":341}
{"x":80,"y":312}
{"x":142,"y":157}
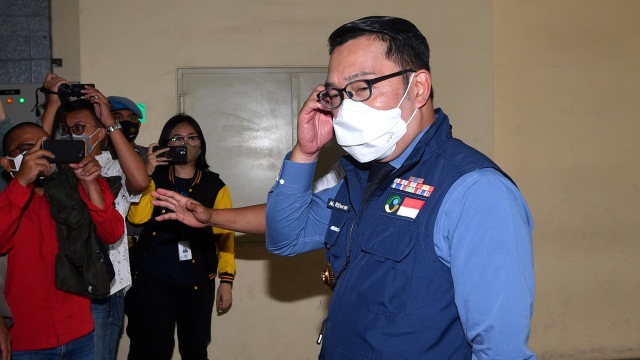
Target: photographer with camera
{"x":129,"y":115}
{"x":6,"y":318}
{"x":48,"y":321}
{"x":88,"y":117}
{"x":174,"y":266}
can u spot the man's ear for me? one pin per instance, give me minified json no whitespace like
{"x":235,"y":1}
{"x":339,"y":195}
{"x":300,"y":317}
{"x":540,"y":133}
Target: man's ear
{"x":6,"y":164}
{"x":422,"y":87}
{"x":102,"y":133}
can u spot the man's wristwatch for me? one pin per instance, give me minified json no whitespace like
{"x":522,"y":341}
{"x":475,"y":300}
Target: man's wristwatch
{"x":114,"y":127}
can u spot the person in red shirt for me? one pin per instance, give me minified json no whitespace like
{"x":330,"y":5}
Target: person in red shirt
{"x":47,"y":321}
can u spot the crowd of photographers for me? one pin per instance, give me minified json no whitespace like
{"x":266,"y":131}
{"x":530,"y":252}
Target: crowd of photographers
{"x":67,"y":187}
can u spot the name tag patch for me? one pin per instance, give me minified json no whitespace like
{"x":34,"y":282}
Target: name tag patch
{"x":336,"y":205}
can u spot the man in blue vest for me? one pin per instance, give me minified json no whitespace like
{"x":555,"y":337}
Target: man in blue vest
{"x":428,"y":241}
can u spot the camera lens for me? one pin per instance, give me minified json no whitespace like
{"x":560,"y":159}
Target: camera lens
{"x":64,"y":90}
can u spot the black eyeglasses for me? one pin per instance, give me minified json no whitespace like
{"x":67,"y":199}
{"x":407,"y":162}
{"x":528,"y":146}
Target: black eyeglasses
{"x":357,"y":90}
{"x":77,"y":129}
{"x":180,"y":140}
{"x":22,"y":148}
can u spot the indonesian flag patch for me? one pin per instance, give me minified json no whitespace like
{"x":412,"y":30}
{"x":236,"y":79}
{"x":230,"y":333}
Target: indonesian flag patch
{"x":410,"y":207}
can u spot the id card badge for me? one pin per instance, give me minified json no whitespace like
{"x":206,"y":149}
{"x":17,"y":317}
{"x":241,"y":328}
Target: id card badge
{"x":184,"y":250}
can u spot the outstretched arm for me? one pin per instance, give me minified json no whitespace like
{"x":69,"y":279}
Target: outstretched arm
{"x":248,"y":219}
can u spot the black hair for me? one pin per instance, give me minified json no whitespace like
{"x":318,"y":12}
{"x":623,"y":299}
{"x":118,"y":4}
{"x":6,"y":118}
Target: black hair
{"x":73,"y":106}
{"x":68,"y":107}
{"x":406,"y":45}
{"x":201,"y":161}
{"x":7,"y":136}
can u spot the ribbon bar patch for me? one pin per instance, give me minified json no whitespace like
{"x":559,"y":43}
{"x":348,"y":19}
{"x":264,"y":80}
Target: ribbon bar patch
{"x":414,"y":186}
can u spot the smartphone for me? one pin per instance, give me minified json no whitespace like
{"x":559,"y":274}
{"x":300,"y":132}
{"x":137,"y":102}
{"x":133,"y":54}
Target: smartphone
{"x":175,"y":154}
{"x":65,"y":151}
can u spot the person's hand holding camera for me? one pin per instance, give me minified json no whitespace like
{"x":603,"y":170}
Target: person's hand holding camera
{"x":155,"y":158}
{"x":51,"y":83}
{"x":34,"y":164}
{"x":87,"y":171}
{"x":100,"y":104}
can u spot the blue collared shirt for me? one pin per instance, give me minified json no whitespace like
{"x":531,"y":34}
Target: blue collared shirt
{"x":482,"y":233}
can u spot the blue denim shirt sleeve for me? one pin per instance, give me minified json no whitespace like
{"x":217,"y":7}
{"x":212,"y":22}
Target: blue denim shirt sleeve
{"x":297,"y":218}
{"x":483,"y":233}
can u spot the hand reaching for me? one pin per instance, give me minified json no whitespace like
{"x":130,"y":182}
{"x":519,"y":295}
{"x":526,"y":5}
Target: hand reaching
{"x":185,"y":210}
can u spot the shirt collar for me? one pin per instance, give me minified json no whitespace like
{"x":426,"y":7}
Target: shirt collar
{"x":397,"y":162}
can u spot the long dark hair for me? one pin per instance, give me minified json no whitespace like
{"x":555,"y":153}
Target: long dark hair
{"x":201,"y":160}
{"x":406,"y":45}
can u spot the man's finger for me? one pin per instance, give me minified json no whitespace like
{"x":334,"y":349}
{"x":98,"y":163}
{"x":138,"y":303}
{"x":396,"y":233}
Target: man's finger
{"x":167,"y":216}
{"x":163,"y":204}
{"x":191,"y":206}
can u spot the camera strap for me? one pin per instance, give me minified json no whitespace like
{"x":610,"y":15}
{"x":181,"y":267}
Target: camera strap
{"x":36,"y":107}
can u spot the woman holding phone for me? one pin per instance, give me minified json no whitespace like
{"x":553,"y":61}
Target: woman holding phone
{"x":174,"y":265}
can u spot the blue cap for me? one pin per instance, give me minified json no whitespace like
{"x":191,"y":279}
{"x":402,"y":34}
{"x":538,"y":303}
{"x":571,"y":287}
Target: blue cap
{"x":122,"y":103}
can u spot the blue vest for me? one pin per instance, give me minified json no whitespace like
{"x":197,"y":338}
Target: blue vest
{"x":395,"y":298}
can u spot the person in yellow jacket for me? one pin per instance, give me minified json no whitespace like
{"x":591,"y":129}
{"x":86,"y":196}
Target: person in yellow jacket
{"x":174,"y":265}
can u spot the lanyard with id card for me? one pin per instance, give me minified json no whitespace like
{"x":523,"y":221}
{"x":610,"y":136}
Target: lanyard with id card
{"x":184,"y":250}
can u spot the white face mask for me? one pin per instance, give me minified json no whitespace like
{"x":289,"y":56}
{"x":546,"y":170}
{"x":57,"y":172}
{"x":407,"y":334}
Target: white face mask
{"x":87,"y":140}
{"x":16,"y":163}
{"x":369,"y":134}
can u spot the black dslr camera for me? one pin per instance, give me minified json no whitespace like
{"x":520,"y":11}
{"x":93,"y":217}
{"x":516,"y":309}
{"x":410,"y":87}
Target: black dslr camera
{"x":72,"y":90}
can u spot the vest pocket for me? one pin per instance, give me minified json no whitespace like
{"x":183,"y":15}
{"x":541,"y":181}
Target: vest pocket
{"x":382,"y":272}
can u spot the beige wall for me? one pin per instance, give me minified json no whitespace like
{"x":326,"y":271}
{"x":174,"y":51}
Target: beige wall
{"x":552,"y":81}
{"x":567,"y":80}
{"x":133,"y":48}
{"x":65,"y":37}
